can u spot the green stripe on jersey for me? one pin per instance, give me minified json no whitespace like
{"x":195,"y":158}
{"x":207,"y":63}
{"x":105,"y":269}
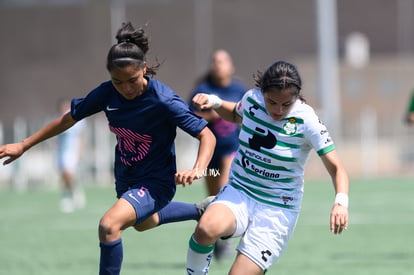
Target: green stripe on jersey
{"x":252,"y":101}
{"x":253,"y":189}
{"x":269,"y":125}
{"x":288,"y":145}
{"x":297,"y":120}
{"x":241,"y":188}
{"x":326,"y":150}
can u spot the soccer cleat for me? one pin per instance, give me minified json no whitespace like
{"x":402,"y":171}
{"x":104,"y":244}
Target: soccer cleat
{"x":66,"y":204}
{"x":202,"y":205}
{"x":79,"y":198}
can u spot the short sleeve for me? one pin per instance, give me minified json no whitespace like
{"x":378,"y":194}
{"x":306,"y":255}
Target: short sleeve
{"x":89,"y":105}
{"x":184,"y":118}
{"x":318,"y":135}
{"x":239,"y":108}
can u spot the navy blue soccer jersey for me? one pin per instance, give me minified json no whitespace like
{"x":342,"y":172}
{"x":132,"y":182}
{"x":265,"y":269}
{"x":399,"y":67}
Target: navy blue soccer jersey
{"x":145,"y":128}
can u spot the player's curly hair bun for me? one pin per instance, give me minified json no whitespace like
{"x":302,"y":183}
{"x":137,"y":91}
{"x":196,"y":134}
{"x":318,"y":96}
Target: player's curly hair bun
{"x":128,"y":34}
{"x":131,"y":49}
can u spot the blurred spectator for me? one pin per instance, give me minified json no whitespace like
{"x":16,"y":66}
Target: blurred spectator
{"x":69,"y":150}
{"x":410,"y":111}
{"x":219,"y":80}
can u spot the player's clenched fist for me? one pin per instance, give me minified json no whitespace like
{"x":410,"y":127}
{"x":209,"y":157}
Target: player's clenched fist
{"x":206,"y":101}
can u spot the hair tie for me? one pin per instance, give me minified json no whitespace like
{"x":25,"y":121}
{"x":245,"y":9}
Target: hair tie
{"x":126,"y":40}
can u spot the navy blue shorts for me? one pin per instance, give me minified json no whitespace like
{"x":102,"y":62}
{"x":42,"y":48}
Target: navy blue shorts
{"x":144,"y":203}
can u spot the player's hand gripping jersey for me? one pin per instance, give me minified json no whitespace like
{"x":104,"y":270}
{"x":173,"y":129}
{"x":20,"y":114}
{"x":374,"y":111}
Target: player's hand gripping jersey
{"x":269,"y":165}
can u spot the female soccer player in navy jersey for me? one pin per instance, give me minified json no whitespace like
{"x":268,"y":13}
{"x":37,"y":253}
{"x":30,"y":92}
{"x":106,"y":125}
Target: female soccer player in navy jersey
{"x":143,"y":113}
{"x":262,"y":198}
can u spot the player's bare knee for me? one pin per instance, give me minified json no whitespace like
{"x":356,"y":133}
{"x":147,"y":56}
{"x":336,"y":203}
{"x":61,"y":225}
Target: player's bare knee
{"x":106,"y":228}
{"x":206,"y":231}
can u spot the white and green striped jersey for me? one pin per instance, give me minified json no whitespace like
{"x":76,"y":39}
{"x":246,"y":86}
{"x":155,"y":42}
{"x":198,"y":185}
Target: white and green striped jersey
{"x":269,"y":164}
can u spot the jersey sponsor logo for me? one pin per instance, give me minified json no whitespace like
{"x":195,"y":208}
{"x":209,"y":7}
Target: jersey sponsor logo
{"x":266,"y":141}
{"x":286,"y":199}
{"x":266,"y":254}
{"x":259,"y":170}
{"x":256,"y":156}
{"x":290,"y":126}
{"x":109,"y":109}
{"x":255,"y":107}
{"x":245,"y":162}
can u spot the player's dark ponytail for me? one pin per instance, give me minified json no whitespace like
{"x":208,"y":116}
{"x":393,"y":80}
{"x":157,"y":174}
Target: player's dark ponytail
{"x":132,"y":46}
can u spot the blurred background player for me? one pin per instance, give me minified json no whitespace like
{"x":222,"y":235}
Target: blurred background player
{"x":410,"y":111}
{"x":219,"y":80}
{"x":69,"y":150}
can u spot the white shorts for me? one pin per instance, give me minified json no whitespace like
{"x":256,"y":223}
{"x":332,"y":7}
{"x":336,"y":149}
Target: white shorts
{"x":265,"y":229}
{"x":68,"y":161}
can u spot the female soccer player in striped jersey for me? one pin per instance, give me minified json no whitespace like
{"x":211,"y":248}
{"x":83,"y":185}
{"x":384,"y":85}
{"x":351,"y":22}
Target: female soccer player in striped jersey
{"x":262,"y":199}
{"x":143,"y":113}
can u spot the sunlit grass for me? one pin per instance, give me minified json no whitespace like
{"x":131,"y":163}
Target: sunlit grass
{"x":36,"y":238}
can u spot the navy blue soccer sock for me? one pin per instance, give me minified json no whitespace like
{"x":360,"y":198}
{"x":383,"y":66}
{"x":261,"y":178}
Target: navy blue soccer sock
{"x":177,"y":212}
{"x":111,"y":258}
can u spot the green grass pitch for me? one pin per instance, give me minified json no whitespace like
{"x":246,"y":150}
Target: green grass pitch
{"x":35,"y":238}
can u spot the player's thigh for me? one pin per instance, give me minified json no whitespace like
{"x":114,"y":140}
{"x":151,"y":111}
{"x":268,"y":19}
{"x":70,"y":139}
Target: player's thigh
{"x":267,"y":235}
{"x":120,"y":216}
{"x":149,"y":223}
{"x":218,"y":221}
{"x":244,"y":266}
{"x":227,"y":216}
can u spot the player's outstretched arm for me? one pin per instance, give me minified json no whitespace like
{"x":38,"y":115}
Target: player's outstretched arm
{"x":224,"y":108}
{"x":339,"y":212}
{"x":205,"y":152}
{"x":57,"y":126}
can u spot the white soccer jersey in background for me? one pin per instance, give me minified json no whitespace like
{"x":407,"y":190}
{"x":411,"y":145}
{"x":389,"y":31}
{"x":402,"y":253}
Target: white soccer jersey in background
{"x":269,"y":164}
